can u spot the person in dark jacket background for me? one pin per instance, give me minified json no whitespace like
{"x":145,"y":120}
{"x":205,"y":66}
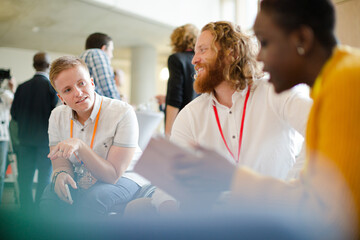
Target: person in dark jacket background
{"x":33,"y":102}
{"x":180,"y":89}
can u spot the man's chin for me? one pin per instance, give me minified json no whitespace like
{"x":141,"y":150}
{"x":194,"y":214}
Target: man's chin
{"x":200,"y":85}
{"x":207,"y":81}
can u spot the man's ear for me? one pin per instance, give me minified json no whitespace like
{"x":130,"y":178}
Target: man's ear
{"x":229,"y":55}
{"x":61,"y":99}
{"x":103,"y":47}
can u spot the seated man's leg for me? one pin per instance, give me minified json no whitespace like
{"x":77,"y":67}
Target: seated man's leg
{"x":44,"y":171}
{"x":26,"y":169}
{"x":99,"y":199}
{"x":51,"y":206}
{"x":140,"y":208}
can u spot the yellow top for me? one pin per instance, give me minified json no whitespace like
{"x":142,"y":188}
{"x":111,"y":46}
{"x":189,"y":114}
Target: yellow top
{"x":333,"y":128}
{"x":333,"y":143}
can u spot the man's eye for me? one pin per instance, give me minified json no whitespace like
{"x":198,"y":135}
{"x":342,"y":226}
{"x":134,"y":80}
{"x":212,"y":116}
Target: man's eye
{"x":66,"y":90}
{"x":82,"y":83}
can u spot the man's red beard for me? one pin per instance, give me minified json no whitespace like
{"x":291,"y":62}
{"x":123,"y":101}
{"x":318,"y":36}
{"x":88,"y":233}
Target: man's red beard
{"x":212,"y":76}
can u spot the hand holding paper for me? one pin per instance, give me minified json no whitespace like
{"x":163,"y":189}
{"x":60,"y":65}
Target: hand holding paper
{"x":206,"y":171}
{"x":187,"y":174}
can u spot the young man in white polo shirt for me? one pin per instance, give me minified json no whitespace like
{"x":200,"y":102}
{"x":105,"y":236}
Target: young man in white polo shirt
{"x":92,"y":140}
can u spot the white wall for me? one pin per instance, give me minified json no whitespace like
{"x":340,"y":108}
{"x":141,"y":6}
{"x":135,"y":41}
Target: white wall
{"x":348,"y":22}
{"x":20,"y":61}
{"x":246,"y":13}
{"x":175,"y":13}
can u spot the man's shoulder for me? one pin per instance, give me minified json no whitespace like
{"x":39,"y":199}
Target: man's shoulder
{"x":61,"y":109}
{"x":199,"y":102}
{"x":24,"y":85}
{"x":262,"y":82}
{"x":38,"y":80}
{"x":94,"y":58}
{"x":60,"y":114}
{"x":38,"y":77}
{"x":92,"y":52}
{"x":115,"y":105}
{"x":262,"y":86}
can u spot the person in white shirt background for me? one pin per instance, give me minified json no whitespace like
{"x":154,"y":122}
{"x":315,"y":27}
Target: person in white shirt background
{"x":239,"y":114}
{"x":6,"y":98}
{"x":119,"y":77}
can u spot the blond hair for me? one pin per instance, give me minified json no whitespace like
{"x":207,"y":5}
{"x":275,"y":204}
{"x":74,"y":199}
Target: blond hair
{"x":242,"y":50}
{"x":184,"y":38}
{"x":64,"y":63}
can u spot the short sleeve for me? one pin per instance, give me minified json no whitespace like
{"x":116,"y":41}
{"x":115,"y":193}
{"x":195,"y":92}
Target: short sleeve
{"x":181,"y":132}
{"x":7,"y":97}
{"x":53,"y":130}
{"x":127,"y":132}
{"x":292,"y":106}
{"x":175,"y":88}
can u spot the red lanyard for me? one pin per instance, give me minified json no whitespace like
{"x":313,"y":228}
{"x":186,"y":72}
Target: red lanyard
{"x":241,"y":128}
{"x":94,"y":131}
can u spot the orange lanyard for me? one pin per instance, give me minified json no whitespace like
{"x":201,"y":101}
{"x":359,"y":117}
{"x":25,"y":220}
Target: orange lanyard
{"x":241,"y":128}
{"x":94,"y":131}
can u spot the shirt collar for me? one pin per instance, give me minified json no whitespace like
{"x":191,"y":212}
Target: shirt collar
{"x":96,"y":107}
{"x":45,"y":74}
{"x":95,"y":110}
{"x":234,"y":97}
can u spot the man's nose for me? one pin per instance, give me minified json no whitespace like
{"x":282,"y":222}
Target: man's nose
{"x":78,"y":91}
{"x":195,"y":60}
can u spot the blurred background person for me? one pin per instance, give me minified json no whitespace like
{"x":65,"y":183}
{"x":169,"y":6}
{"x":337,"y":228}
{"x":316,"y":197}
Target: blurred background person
{"x":6,"y":98}
{"x":160,"y":99}
{"x":33,"y":102}
{"x":119,"y":77}
{"x":97,"y":56}
{"x":180,"y":89}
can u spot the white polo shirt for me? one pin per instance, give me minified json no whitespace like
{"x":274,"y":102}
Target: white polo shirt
{"x":117,"y":126}
{"x":271,"y":121}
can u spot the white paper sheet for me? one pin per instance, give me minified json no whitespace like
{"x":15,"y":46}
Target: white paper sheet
{"x":158,"y":161}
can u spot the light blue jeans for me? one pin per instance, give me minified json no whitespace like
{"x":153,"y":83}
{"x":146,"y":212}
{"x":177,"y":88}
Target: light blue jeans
{"x":3,"y":158}
{"x":92,"y":203}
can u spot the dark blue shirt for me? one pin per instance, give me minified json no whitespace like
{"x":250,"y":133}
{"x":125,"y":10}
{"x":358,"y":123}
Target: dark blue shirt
{"x":180,"y":89}
{"x":33,"y":102}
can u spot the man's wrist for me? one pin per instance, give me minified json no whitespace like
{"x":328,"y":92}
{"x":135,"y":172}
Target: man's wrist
{"x":55,"y":176}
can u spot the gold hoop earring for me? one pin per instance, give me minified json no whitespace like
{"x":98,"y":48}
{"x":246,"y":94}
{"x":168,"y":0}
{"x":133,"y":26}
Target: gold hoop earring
{"x":300,"y":51}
